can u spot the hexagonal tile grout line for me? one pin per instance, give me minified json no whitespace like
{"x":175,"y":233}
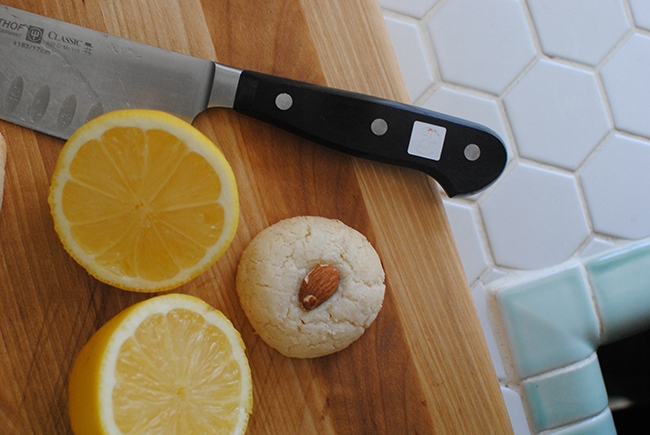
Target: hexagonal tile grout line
{"x":616,"y":40}
{"x":530,"y":22}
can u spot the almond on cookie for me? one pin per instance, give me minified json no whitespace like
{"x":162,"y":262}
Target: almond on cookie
{"x":310,"y":286}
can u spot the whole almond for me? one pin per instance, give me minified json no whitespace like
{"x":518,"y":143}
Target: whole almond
{"x":318,"y":286}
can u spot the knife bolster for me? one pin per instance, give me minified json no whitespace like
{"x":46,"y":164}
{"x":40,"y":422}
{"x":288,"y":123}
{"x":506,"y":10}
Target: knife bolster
{"x":224,"y":86}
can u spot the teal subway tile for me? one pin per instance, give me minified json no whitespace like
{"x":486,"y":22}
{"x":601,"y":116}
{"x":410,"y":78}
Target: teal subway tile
{"x":602,"y":424}
{"x":621,"y":286}
{"x":565,"y":396}
{"x":550,"y":322}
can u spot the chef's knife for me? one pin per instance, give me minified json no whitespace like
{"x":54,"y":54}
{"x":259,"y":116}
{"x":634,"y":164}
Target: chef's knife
{"x":55,"y":76}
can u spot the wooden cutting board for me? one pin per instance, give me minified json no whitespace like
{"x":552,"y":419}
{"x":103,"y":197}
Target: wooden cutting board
{"x":422,"y":367}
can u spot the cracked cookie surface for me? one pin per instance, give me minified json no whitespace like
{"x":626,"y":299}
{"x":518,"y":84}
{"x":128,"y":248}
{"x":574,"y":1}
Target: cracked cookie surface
{"x":271,"y":271}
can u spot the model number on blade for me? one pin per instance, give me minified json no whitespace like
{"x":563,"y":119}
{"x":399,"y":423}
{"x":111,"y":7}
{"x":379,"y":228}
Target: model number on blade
{"x":31,"y":47}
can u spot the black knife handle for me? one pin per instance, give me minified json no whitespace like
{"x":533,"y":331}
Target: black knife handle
{"x":461,"y":156}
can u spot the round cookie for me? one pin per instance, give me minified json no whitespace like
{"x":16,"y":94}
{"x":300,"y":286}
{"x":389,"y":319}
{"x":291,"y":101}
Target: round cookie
{"x":273,"y":267}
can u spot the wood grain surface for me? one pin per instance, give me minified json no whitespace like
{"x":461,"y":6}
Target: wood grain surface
{"x":421,"y":368}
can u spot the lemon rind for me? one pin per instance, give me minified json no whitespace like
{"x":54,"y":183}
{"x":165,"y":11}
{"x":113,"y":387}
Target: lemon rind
{"x":161,"y":305}
{"x":197,"y":142}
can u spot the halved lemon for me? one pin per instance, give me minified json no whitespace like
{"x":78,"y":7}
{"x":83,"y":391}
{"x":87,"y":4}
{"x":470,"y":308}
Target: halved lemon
{"x":169,"y":365}
{"x":143,"y":200}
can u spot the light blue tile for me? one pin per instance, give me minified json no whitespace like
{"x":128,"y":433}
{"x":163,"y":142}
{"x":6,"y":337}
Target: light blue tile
{"x":621,"y":286}
{"x":550,"y":322}
{"x":602,"y":424}
{"x":565,"y":396}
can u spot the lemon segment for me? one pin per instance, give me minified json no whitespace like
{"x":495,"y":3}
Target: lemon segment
{"x":169,"y":365}
{"x":143,"y":200}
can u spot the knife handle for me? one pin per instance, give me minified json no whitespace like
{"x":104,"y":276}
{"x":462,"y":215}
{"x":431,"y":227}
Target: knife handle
{"x":461,"y":156}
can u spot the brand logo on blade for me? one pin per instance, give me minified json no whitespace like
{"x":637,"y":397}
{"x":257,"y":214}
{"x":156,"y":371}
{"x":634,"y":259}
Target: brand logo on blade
{"x":43,"y":39}
{"x":34,"y":34}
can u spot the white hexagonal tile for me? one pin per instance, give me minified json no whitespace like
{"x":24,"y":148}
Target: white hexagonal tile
{"x":411,"y":57}
{"x":479,"y":295}
{"x":463,"y":222}
{"x":483,"y":45}
{"x":413,"y":8}
{"x":471,"y":107}
{"x":534,"y":218}
{"x":557,"y":114}
{"x":625,"y":78}
{"x":493,"y":275}
{"x":580,"y":30}
{"x":516,"y":411}
{"x":615,"y":182}
{"x":596,"y":246}
{"x":641,"y":13}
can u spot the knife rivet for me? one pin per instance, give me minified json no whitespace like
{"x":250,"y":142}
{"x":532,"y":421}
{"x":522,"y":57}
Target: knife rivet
{"x":379,"y":127}
{"x":283,"y":101}
{"x":472,"y":152}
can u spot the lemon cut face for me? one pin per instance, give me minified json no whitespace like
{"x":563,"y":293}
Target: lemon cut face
{"x":169,"y":365}
{"x":143,"y":200}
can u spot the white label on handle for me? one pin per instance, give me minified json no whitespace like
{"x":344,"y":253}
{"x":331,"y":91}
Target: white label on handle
{"x":427,"y":140}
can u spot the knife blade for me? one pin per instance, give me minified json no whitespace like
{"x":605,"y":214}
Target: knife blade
{"x":55,"y":76}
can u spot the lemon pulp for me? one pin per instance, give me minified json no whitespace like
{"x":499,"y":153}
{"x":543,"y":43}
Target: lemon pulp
{"x":143,"y":200}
